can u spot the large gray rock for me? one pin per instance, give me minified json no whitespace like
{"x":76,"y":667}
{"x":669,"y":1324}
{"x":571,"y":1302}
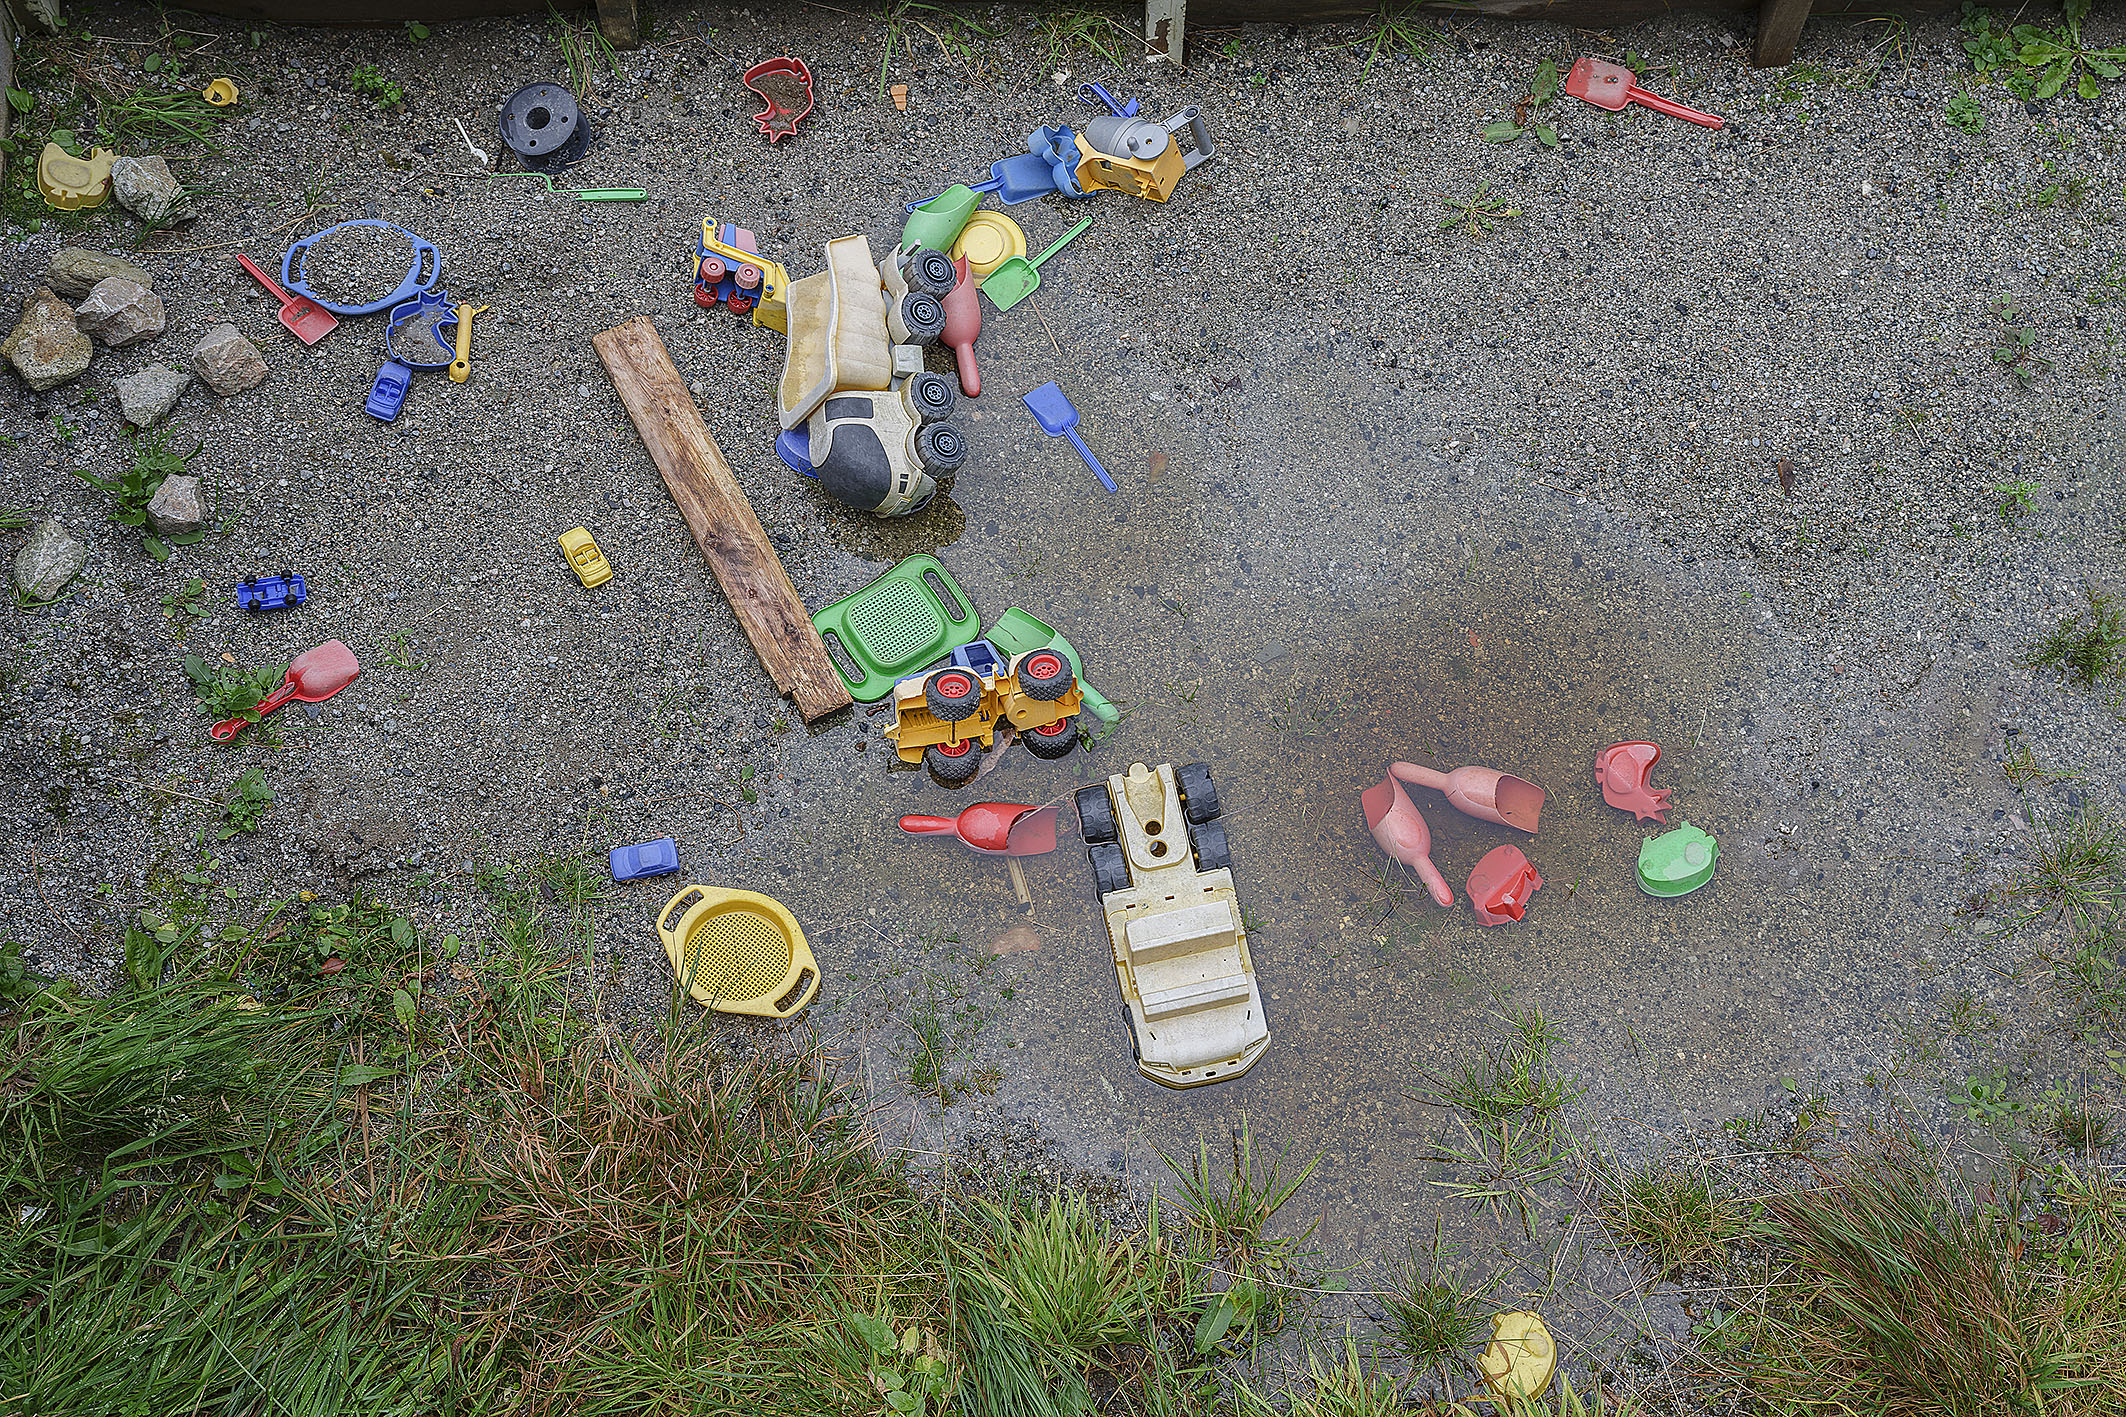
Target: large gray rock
{"x":120,"y":312}
{"x":178,"y":506}
{"x":228,"y":363}
{"x":75,"y":272}
{"x":144,"y":186}
{"x":48,"y":560}
{"x":151,"y":393}
{"x":47,"y":348}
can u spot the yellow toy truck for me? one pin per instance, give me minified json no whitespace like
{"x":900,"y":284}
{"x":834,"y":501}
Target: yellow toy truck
{"x":1165,"y":877}
{"x":946,"y":719}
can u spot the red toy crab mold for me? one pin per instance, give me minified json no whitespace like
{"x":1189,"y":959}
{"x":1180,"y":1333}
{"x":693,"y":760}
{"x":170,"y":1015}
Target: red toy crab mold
{"x":1622,"y":769}
{"x":785,"y":85}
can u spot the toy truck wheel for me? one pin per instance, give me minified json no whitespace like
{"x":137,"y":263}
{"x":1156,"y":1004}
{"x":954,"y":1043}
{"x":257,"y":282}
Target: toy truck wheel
{"x":1207,"y":841}
{"x":1044,"y":675}
{"x":1096,"y":815}
{"x":1199,"y":795}
{"x":940,"y":449}
{"x":953,"y":762}
{"x":1053,"y":740}
{"x":917,"y":316}
{"x":930,"y":272}
{"x":953,"y":695}
{"x":929,"y":397}
{"x":1110,"y":867}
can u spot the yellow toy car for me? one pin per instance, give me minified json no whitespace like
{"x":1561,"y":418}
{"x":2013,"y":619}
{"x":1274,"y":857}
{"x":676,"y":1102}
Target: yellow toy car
{"x":948,"y":718}
{"x":584,"y":557}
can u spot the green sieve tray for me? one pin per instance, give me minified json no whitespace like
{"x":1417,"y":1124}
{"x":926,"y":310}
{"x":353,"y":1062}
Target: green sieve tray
{"x":913,"y":615}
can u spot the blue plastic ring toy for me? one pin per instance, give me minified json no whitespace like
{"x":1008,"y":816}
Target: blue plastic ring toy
{"x":293,"y":258}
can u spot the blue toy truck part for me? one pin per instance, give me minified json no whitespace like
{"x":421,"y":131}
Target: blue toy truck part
{"x":388,"y":394}
{"x":794,"y":447}
{"x":424,"y":254}
{"x":1094,"y":93}
{"x":979,"y":657}
{"x":1049,"y":164}
{"x":645,"y":859}
{"x":259,"y":594}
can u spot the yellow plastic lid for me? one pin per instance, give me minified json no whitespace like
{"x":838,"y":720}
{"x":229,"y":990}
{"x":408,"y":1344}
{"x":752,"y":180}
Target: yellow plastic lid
{"x":221,"y":93}
{"x":1521,"y":1356}
{"x":988,"y":241}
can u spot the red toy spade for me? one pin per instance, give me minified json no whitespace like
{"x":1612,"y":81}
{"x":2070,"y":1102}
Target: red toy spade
{"x":1484,"y":793}
{"x":1400,"y":830}
{"x":1612,"y":86}
{"x":313,"y":676}
{"x":963,"y":323}
{"x":996,"y":828}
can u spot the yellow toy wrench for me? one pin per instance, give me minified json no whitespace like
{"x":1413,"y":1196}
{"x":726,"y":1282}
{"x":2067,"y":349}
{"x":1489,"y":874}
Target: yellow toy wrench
{"x":461,"y":367}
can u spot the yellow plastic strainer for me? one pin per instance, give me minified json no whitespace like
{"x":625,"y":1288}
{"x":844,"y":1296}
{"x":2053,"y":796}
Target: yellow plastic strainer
{"x":738,"y":951}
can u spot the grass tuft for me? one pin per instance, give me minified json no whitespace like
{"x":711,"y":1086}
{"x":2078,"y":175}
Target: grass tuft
{"x":1232,"y":1211}
{"x":1676,"y":1216}
{"x":2088,"y":647}
{"x":1433,"y":1316}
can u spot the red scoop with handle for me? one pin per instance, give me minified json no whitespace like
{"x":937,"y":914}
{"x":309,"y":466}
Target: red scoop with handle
{"x":307,"y":320}
{"x":998,"y":828}
{"x":1614,"y":87}
{"x":313,"y":676}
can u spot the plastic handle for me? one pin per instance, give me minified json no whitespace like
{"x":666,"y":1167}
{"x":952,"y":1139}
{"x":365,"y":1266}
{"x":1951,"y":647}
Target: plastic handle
{"x":1673,"y":109}
{"x":976,"y":187}
{"x":1097,"y":702}
{"x":1061,"y":241}
{"x":1200,"y":135}
{"x":917,"y":825}
{"x":611,"y":194}
{"x":228,"y":728}
{"x":265,"y":280}
{"x":1090,"y":461}
{"x":678,"y":905}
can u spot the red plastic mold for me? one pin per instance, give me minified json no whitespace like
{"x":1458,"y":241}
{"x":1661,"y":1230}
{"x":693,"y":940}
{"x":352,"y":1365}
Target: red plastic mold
{"x":1622,"y":770}
{"x":1500,"y":885}
{"x":785,"y":85}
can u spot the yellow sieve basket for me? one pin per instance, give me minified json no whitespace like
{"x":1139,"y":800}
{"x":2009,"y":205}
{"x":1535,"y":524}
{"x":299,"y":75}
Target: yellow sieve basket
{"x":738,"y":951}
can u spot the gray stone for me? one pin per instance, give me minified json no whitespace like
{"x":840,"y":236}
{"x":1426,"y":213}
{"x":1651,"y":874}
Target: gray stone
{"x":48,"y":560}
{"x":228,"y":363}
{"x":75,"y":272}
{"x":151,"y":393}
{"x":47,"y":348}
{"x":144,"y":186}
{"x":120,"y":312}
{"x":178,"y":506}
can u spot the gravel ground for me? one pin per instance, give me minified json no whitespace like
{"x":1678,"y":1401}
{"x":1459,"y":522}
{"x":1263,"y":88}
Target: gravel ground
{"x":1701,"y":443}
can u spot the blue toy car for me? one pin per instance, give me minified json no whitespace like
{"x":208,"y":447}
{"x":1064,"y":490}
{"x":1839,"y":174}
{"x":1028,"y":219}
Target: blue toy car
{"x":649,"y":858}
{"x":388,"y":394}
{"x":262,"y":593}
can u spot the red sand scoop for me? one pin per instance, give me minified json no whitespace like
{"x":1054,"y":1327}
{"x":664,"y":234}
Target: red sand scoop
{"x":1612,"y":86}
{"x":313,"y":676}
{"x":997,"y":828}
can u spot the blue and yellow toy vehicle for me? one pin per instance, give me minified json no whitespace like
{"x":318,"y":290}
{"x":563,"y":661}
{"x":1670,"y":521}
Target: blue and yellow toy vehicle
{"x":730,"y":271}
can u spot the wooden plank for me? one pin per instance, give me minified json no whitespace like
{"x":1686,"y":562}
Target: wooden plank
{"x":616,"y":21}
{"x":720,"y":517}
{"x":1779,"y":25}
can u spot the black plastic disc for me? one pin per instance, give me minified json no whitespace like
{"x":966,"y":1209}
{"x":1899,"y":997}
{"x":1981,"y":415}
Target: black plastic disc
{"x":542,"y":124}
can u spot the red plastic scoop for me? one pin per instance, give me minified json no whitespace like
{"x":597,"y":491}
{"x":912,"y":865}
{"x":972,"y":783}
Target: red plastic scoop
{"x":1500,"y":885}
{"x":313,"y":676}
{"x":963,"y":323}
{"x":1622,"y":770}
{"x":307,"y":320}
{"x":998,"y":828}
{"x":1612,"y":86}
{"x":1484,"y":793}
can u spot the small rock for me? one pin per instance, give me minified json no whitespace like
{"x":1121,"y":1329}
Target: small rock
{"x":76,"y":272}
{"x":48,"y":560}
{"x":178,"y":506}
{"x":120,"y":312}
{"x":47,"y":348}
{"x":1017,"y":940}
{"x":151,"y":393}
{"x":144,"y":186}
{"x":228,"y":363}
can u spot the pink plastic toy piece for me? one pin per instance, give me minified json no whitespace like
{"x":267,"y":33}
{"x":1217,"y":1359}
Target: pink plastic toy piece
{"x":1612,"y":86}
{"x":963,"y":322}
{"x":785,"y":85}
{"x":1484,"y":793}
{"x":1622,"y":769}
{"x":1401,"y":831}
{"x":995,"y":828}
{"x":1500,"y":885}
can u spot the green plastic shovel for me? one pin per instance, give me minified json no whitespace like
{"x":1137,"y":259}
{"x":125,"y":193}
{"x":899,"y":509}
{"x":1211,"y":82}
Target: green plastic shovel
{"x":1016,"y":632}
{"x":1018,"y":277}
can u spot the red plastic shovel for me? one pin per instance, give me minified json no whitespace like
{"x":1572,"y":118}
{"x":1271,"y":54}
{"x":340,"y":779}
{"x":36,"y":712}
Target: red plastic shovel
{"x":1612,"y":86}
{"x":997,"y":828}
{"x":313,"y":676}
{"x":307,"y":320}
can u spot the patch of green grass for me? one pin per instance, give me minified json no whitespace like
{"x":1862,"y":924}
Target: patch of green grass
{"x":400,"y":655}
{"x":245,"y":811}
{"x":229,"y":690}
{"x":1068,"y":32}
{"x":1542,"y":89}
{"x":2082,"y":1125}
{"x":1965,"y":113}
{"x":2038,"y":63}
{"x":2075,"y":872}
{"x":1435,"y":1317}
{"x":2090,"y":646}
{"x":2017,"y":352}
{"x":187,"y":603}
{"x":1231,"y":1211}
{"x":2015,"y":500}
{"x":1393,"y":33}
{"x":368,"y":81}
{"x":1675,"y":1215}
{"x":1507,"y":1128}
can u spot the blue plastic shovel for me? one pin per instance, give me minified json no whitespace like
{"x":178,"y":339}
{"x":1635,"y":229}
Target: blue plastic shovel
{"x":1058,"y":418}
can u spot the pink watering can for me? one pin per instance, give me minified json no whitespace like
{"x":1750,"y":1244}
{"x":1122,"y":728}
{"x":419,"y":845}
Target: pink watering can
{"x":1402,"y":833}
{"x":1484,"y":793}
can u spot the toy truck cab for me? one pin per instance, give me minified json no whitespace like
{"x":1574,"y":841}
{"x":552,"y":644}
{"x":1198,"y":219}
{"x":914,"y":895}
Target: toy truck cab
{"x":1173,"y":923}
{"x":947,"y":718}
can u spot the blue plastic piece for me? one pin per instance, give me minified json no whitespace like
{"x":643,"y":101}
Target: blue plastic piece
{"x":282,"y":592}
{"x":980,"y":657}
{"x":388,"y":394}
{"x":293,"y":259}
{"x":649,"y":858}
{"x":1093,"y":93}
{"x":1049,"y":164}
{"x":794,"y":447}
{"x":435,"y":352}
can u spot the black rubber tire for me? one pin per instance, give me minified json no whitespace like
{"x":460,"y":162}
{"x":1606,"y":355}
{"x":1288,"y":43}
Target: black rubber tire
{"x":930,"y":272}
{"x":1110,"y":867}
{"x":1199,"y":795}
{"x":929,"y":397}
{"x":941,"y":449}
{"x":954,"y":695}
{"x":950,"y":769}
{"x":1044,"y":674}
{"x":1051,"y":745}
{"x":923,"y":317}
{"x":1207,"y":841}
{"x":1096,"y":815}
